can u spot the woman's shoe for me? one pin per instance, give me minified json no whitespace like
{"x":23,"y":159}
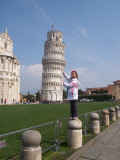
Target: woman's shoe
{"x":74,"y":118}
{"x":70,"y":118}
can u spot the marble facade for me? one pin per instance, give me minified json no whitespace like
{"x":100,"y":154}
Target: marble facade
{"x":9,"y":71}
{"x":53,"y":67}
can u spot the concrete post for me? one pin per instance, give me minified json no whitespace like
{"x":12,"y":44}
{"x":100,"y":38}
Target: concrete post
{"x":75,"y":134}
{"x":117,"y":110}
{"x":105,"y":117}
{"x":31,"y":149}
{"x":112,"y":114}
{"x":94,"y":123}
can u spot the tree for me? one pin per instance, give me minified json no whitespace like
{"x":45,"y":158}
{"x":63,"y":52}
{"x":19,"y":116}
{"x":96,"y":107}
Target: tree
{"x":38,"y":96}
{"x":102,"y":91}
{"x":64,"y":94}
{"x":97,"y":92}
{"x":80,"y":92}
{"x":28,"y":97}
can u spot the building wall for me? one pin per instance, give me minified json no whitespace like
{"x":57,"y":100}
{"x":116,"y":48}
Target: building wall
{"x":117,"y":90}
{"x":113,"y":90}
{"x":94,"y":90}
{"x":53,"y":66}
{"x":9,"y":71}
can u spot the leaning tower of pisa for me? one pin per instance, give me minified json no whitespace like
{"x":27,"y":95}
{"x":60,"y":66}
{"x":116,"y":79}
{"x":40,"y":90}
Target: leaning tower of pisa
{"x":53,"y":66}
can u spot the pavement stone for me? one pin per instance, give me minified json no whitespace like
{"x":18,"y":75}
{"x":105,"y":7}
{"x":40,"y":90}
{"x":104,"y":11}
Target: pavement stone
{"x":102,"y":157}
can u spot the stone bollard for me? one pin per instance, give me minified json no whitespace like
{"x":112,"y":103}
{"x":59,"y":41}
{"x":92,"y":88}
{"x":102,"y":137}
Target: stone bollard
{"x":112,"y":114}
{"x":117,"y":110}
{"x":105,"y":117}
{"x":94,"y":123}
{"x":31,"y":149}
{"x":75,"y":134}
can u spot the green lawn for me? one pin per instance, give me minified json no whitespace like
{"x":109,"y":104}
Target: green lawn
{"x":15,"y":117}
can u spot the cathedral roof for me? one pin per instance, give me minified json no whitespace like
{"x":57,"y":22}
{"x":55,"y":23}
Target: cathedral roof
{"x":6,"y":54}
{"x":10,"y":55}
{"x":5,"y":35}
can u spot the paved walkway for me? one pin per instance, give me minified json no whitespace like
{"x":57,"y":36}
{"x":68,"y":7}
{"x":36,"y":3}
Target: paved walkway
{"x":105,"y":146}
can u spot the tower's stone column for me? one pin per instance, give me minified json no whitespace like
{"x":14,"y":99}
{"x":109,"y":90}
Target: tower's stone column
{"x":75,"y":134}
{"x":53,"y":67}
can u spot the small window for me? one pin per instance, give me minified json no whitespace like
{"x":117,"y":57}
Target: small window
{"x":5,"y":45}
{"x":57,"y":38}
{"x":15,"y":65}
{"x":1,"y":60}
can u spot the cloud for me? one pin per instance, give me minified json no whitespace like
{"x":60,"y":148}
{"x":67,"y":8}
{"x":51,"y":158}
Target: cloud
{"x":90,"y":58}
{"x":39,"y":10}
{"x":42,"y":14}
{"x":82,"y":31}
{"x":32,"y":70}
{"x":87,"y":78}
{"x":31,"y":77}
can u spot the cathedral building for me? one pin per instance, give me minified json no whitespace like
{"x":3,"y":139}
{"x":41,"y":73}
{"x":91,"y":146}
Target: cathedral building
{"x":53,"y":67}
{"x":9,"y":71}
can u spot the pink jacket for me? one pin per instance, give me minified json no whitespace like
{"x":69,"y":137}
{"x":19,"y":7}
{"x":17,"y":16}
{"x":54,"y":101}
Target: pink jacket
{"x":72,"y":87}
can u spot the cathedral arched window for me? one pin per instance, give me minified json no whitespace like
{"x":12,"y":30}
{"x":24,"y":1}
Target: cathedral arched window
{"x":5,"y":45}
{"x":57,"y":38}
{"x":61,"y":87}
{"x":1,"y":60}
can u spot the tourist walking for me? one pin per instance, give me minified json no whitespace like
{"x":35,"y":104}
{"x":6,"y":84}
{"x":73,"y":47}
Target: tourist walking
{"x":72,"y":93}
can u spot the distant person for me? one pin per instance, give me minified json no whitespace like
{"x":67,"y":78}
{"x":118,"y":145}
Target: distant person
{"x":72,"y":93}
{"x":2,"y":100}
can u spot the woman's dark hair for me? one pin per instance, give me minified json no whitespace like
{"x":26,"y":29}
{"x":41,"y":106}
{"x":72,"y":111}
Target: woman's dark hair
{"x":76,"y":73}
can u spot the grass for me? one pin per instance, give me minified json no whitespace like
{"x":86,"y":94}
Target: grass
{"x":16,"y":117}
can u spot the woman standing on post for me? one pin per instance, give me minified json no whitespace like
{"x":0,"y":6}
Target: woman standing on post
{"x":72,"y":93}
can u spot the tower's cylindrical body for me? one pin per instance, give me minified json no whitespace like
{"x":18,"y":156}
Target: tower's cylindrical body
{"x":53,"y":66}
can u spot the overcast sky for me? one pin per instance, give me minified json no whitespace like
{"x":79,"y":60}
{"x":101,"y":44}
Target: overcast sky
{"x":91,"y":30}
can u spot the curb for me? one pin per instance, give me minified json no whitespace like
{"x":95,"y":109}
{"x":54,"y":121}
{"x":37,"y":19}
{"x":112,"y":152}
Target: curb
{"x":82,"y":150}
